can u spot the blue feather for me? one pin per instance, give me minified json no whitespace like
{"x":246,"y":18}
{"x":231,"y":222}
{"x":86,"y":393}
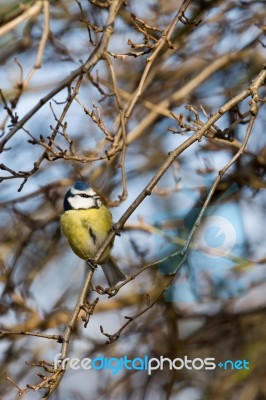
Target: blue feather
{"x":81,"y":185}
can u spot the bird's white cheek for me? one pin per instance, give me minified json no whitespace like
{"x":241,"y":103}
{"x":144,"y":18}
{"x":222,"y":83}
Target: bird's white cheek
{"x":81,"y":202}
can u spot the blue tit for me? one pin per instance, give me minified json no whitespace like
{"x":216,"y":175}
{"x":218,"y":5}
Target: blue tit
{"x":86,"y":223}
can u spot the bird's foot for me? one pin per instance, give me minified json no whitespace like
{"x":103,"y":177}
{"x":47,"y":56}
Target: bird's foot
{"x":91,"y":265}
{"x":116,"y":230}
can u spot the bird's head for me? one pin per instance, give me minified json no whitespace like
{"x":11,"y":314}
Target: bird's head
{"x":81,"y":197}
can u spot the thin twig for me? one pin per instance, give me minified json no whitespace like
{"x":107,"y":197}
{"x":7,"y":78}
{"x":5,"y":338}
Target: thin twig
{"x":216,"y":182}
{"x":31,"y":12}
{"x":58,"y":338}
{"x":44,"y":38}
{"x":124,"y":194}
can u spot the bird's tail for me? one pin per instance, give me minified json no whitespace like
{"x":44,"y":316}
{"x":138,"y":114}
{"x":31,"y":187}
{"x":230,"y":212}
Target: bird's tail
{"x":112,"y":272}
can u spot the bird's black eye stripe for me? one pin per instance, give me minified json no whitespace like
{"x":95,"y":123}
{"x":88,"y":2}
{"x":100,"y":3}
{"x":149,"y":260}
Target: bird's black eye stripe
{"x":85,"y":195}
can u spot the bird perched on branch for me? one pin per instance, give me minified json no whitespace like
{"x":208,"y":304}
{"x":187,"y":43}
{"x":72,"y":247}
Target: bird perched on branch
{"x":86,"y":223}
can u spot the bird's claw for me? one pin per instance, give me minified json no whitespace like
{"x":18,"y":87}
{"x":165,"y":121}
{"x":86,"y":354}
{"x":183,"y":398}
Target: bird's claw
{"x":91,"y":264}
{"x":116,"y":230}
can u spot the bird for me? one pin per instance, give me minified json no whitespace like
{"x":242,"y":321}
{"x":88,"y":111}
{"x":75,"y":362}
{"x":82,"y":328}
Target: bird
{"x":86,"y":222}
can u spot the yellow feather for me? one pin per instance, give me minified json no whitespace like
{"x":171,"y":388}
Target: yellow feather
{"x":86,"y":230}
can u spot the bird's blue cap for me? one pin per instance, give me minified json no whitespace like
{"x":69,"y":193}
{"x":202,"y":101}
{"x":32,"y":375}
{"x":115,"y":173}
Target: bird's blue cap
{"x":79,"y":185}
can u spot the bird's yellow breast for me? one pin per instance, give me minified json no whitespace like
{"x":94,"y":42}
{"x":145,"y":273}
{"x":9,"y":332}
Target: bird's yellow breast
{"x":86,"y":230}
